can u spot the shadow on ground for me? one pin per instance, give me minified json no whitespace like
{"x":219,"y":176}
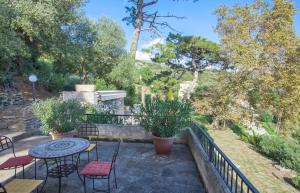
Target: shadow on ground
{"x":139,"y":170}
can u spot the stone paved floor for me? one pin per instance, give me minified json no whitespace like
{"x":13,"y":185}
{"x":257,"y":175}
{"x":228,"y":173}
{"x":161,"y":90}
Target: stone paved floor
{"x":139,"y":170}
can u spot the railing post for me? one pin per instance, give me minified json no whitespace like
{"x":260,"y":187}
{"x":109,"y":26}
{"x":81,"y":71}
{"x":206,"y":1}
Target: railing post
{"x":210,"y":151}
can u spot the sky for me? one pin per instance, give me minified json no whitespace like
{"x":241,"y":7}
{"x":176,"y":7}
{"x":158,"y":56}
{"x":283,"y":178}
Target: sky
{"x":199,"y":17}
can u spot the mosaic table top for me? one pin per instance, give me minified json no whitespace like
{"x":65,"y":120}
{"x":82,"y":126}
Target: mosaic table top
{"x":59,"y":148}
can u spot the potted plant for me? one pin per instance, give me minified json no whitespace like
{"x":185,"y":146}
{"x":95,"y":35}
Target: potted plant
{"x":59,"y":118}
{"x":164,"y":119}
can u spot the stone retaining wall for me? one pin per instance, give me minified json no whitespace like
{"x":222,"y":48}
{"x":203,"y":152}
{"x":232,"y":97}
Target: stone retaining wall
{"x":212,"y":181}
{"x":130,"y":133}
{"x":7,"y":99}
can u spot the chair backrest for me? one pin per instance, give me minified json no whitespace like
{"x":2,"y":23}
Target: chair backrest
{"x":88,"y":130}
{"x":116,"y":152}
{"x":6,"y":143}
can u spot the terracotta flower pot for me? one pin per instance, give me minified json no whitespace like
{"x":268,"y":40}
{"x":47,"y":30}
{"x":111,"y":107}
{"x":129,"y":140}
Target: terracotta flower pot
{"x":62,"y":135}
{"x":163,"y":145}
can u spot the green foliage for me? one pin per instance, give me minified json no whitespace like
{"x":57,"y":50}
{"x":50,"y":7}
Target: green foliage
{"x":58,"y":116}
{"x":124,"y":74}
{"x":55,"y":40}
{"x":165,"y":118}
{"x":260,"y":41}
{"x":296,"y":135}
{"x":101,"y":84}
{"x":296,"y":181}
{"x":70,"y":82}
{"x":93,"y":115}
{"x":132,"y":96}
{"x":189,"y":49}
{"x":282,"y":150}
{"x":268,"y":126}
{"x":202,"y":119}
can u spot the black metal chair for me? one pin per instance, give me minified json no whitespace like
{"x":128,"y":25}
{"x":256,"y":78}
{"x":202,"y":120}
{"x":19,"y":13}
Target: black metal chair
{"x":89,"y":131}
{"x":101,"y":170}
{"x":14,"y":162}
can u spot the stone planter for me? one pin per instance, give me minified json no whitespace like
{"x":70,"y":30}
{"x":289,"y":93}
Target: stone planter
{"x":55,"y":135}
{"x":85,"y":87}
{"x":163,"y":145}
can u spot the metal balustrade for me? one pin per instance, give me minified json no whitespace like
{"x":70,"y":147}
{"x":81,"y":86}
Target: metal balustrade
{"x":234,"y":179}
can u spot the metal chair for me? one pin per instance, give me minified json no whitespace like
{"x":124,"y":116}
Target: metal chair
{"x":89,"y":131}
{"x":21,"y":186}
{"x":101,"y":170}
{"x":15,"y":161}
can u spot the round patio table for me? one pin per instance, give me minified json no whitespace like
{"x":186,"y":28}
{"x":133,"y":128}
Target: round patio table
{"x":59,"y":156}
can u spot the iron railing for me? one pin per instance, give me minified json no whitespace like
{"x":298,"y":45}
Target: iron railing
{"x":234,"y":179}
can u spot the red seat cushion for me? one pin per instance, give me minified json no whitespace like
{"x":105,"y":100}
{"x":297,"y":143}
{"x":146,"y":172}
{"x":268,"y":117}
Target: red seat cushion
{"x":96,"y":168}
{"x":16,"y":162}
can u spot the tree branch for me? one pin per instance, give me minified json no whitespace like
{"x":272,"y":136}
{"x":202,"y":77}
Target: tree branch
{"x":150,"y":3}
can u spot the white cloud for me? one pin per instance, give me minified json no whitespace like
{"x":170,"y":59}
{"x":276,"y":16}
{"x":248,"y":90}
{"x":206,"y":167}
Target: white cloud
{"x":153,"y":42}
{"x":143,"y":56}
{"x":140,"y":55}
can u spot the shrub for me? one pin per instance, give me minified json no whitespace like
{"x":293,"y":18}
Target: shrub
{"x":165,"y":118}
{"x":266,"y":117}
{"x":253,"y":139}
{"x":132,"y":97}
{"x":296,"y":181}
{"x":100,"y":117}
{"x":58,"y":116}
{"x":69,"y":84}
{"x":296,"y":136}
{"x":282,"y":150}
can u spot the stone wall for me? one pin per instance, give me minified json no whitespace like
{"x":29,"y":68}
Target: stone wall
{"x":7,"y":99}
{"x":130,"y":133}
{"x":212,"y":181}
{"x":18,"y":121}
{"x":114,"y":105}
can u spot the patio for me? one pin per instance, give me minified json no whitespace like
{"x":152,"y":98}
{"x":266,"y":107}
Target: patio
{"x":139,"y":169}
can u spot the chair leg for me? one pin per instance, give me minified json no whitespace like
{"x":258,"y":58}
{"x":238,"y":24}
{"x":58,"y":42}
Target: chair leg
{"x":88,"y":156}
{"x":23,"y":173}
{"x":115,"y":176}
{"x":84,"y":188}
{"x":15,"y":172}
{"x":35,"y":168}
{"x":59,"y":184}
{"x":97,"y":150}
{"x":108,"y":185}
{"x":93,"y":183}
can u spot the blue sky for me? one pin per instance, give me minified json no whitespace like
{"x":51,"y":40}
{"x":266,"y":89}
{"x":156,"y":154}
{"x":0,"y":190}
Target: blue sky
{"x":200,"y":19}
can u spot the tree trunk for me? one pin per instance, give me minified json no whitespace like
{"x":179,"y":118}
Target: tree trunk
{"x":195,"y":72}
{"x":137,"y":29}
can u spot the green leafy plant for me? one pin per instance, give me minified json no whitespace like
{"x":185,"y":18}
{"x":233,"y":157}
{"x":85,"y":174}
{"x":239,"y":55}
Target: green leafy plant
{"x":296,"y":135}
{"x":58,"y":116}
{"x":285,"y":151}
{"x":296,"y":181}
{"x":165,"y":118}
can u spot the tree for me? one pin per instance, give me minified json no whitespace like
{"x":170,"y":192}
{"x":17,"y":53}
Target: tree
{"x":260,"y":43}
{"x":11,"y":45}
{"x":40,"y":24}
{"x":187,"y":52}
{"x":143,"y":20}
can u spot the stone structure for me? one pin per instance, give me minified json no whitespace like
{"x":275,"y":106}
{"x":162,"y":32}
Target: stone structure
{"x":104,"y":100}
{"x":7,"y":98}
{"x":185,"y":90}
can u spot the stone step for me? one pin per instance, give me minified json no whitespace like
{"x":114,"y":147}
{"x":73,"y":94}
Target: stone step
{"x":17,"y":136}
